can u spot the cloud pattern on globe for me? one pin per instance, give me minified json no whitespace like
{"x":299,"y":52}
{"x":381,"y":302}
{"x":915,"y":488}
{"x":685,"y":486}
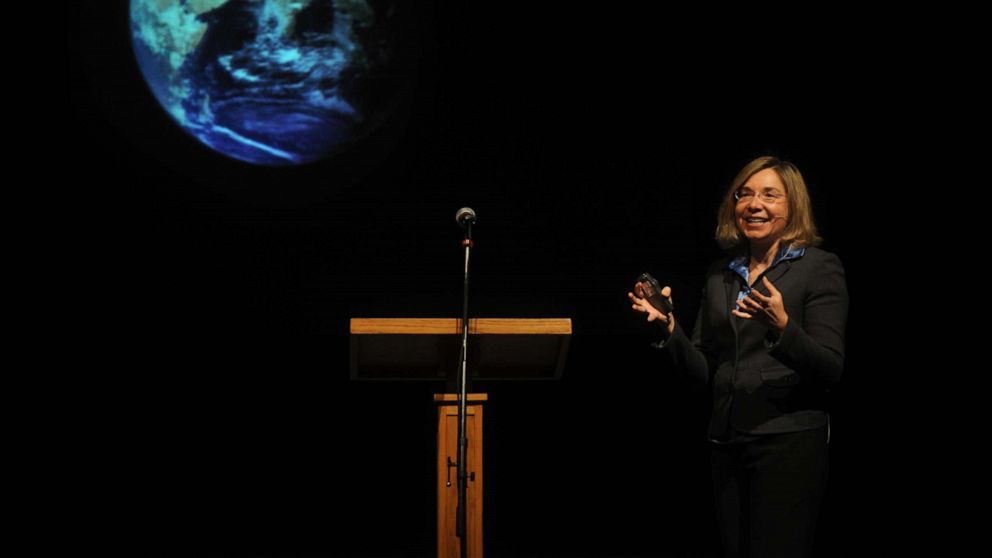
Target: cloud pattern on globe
{"x":269,"y":82}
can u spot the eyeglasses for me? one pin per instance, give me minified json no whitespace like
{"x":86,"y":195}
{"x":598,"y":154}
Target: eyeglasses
{"x":770,"y":196}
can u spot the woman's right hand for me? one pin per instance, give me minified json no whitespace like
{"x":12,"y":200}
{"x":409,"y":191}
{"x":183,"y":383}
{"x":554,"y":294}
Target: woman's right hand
{"x":640,"y":304}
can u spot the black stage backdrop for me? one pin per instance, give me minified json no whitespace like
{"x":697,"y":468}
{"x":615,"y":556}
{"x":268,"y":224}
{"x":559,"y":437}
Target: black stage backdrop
{"x":594,"y":144}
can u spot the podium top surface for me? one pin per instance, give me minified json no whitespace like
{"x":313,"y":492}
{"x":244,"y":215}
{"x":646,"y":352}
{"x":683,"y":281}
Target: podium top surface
{"x":430,"y":348}
{"x":453,"y":326}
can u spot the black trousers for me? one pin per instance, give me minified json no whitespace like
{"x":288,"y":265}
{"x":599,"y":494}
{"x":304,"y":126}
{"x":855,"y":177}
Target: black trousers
{"x":768,"y":493}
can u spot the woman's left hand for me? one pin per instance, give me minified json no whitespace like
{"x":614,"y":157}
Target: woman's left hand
{"x":769,"y":310}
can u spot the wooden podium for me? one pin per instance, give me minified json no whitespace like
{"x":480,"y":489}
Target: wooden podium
{"x":428,"y":349}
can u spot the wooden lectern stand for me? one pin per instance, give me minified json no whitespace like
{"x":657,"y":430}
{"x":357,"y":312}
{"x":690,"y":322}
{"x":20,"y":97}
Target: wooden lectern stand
{"x":448,"y":545}
{"x":428,"y":349}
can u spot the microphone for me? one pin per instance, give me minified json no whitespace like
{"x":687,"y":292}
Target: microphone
{"x":464,"y":216}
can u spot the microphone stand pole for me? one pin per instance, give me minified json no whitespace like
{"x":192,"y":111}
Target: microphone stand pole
{"x":461,"y":511}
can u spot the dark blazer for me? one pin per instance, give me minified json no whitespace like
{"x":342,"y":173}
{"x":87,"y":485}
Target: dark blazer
{"x":763,"y":385}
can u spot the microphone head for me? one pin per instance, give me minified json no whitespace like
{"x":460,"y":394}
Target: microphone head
{"x":464,"y":216}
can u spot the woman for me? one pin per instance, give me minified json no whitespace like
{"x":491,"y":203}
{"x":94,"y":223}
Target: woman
{"x":769,"y":342}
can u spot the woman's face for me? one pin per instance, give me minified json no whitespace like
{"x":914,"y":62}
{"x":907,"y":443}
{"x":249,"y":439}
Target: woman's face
{"x":762,"y":209}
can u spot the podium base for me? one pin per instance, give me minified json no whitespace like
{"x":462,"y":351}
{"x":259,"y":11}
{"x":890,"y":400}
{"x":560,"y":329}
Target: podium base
{"x":448,"y":543}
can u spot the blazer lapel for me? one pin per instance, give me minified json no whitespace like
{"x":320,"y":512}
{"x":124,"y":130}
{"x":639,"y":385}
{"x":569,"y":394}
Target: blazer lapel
{"x":732,"y":285}
{"x":773,"y":275}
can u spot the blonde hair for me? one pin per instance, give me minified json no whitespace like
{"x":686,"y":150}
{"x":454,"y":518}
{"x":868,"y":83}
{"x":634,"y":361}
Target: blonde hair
{"x":800,"y":229}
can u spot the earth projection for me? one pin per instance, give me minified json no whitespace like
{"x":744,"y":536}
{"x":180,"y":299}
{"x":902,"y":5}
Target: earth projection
{"x":269,"y":82}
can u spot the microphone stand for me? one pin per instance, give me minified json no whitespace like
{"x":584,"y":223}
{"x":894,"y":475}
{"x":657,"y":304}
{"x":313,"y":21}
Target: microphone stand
{"x":461,"y":511}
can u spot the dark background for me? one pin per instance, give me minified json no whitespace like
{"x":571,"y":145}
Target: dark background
{"x":594,"y":144}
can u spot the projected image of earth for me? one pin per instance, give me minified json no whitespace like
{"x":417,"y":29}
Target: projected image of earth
{"x":270,"y":82}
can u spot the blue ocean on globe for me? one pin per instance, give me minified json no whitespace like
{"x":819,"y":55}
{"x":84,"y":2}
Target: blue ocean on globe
{"x":269,"y":82}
